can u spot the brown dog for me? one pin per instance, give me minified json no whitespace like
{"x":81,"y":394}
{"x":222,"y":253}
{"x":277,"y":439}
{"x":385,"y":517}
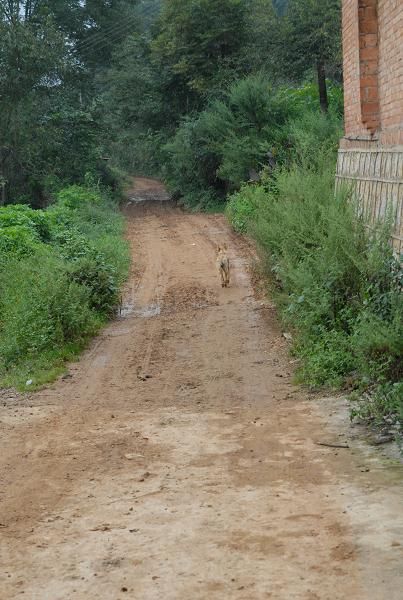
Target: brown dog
{"x":222,"y":262}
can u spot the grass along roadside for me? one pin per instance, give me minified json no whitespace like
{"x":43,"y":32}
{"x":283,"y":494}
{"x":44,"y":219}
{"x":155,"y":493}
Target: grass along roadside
{"x":338,"y":286}
{"x":61,"y":270}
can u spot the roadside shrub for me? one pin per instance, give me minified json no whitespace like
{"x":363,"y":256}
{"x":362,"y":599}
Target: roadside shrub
{"x":71,"y":244}
{"x":59,"y":217}
{"x":23,"y":215}
{"x":95,"y":221}
{"x":60,"y":275}
{"x":87,"y":265}
{"x":18,"y":241}
{"x":112,"y":178}
{"x":241,"y":207}
{"x":382,"y":407}
{"x":103,"y":227}
{"x":314,"y":139}
{"x":77,"y":196}
{"x":100,"y":278}
{"x":16,"y":215}
{"x":323,"y":260}
{"x":191,"y":167}
{"x":306,"y":97}
{"x":338,"y":285}
{"x":41,"y":307}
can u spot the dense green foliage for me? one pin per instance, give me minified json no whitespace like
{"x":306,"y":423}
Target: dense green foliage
{"x":312,"y":31}
{"x":60,"y":274}
{"x":164,"y":79}
{"x":61,"y":268}
{"x":229,"y":142}
{"x":50,"y":112}
{"x":338,"y":286}
{"x":113,"y":79}
{"x":216,"y":150}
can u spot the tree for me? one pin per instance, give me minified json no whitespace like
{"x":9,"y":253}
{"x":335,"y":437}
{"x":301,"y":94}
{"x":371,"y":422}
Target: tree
{"x":259,"y":52}
{"x":198,"y":45}
{"x":50,"y":54}
{"x":311,"y":38}
{"x":32,"y":57}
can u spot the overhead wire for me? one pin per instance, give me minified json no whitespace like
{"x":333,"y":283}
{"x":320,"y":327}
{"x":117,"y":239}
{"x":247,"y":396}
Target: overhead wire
{"x":100,"y":36}
{"x":99,"y":39}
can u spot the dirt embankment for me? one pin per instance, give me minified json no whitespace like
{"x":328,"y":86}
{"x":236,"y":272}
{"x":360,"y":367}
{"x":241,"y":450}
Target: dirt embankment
{"x":178,"y":461}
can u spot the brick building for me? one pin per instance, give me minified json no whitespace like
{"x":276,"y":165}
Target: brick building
{"x":371,"y":152}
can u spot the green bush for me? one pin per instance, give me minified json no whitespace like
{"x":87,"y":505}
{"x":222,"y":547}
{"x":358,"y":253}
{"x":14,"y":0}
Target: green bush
{"x":338,"y":285}
{"x":306,"y":96}
{"x":321,"y":253}
{"x":314,"y":139}
{"x":23,"y":215}
{"x":382,"y":407}
{"x":60,"y":275}
{"x":93,"y":272}
{"x":77,"y":196}
{"x":191,"y":167}
{"x":216,"y":151}
{"x":17,"y":214}
{"x":103,"y":228}
{"x":17,"y":240}
{"x":41,"y":308}
{"x":241,"y":207}
{"x":89,"y":268}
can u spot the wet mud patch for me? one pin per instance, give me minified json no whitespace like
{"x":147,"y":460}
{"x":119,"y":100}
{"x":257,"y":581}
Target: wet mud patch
{"x":187,"y":297}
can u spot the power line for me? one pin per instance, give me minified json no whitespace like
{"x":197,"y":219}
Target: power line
{"x":99,"y":38}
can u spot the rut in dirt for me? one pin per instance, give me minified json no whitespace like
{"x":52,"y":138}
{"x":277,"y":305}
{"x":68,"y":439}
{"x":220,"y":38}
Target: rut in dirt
{"x":179,"y":461}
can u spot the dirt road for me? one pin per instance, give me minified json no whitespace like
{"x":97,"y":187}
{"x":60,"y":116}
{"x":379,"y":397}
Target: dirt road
{"x":178,"y":461}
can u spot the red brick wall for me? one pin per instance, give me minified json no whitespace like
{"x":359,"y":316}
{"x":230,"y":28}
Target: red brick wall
{"x":373,"y":70}
{"x":351,"y":68}
{"x":369,"y":63}
{"x":390,"y":14}
{"x":371,"y":153}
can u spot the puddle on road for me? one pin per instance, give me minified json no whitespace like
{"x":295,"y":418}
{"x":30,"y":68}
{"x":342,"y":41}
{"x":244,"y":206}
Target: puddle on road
{"x":126,"y":310}
{"x":216,"y":231}
{"x":100,"y":361}
{"x":151,"y":310}
{"x":147,"y":196}
{"x":136,"y":200}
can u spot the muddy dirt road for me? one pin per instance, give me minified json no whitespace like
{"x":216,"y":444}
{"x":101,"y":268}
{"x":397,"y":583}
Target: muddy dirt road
{"x":178,"y":461}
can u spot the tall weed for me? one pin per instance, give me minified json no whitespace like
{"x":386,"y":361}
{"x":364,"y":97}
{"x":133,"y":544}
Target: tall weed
{"x":337,"y":283}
